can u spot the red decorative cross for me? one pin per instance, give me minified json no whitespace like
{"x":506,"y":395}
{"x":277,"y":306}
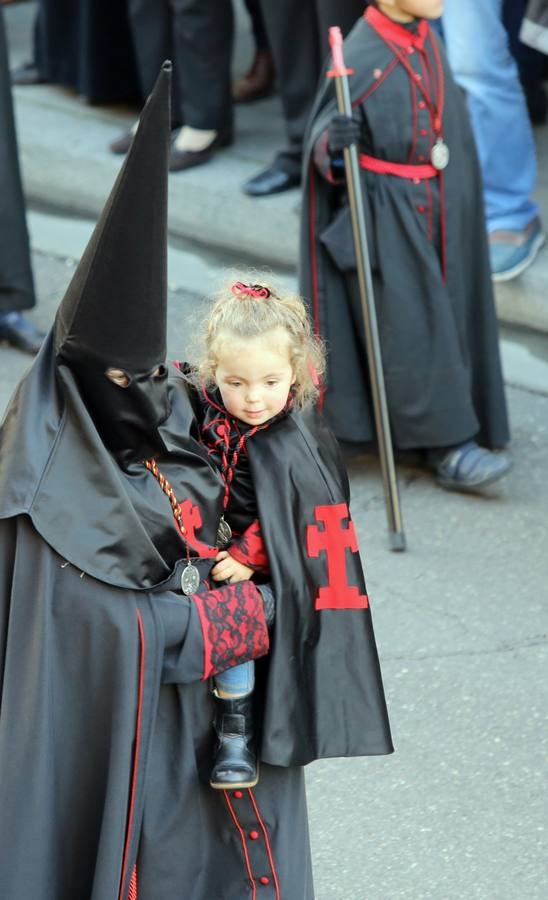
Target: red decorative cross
{"x":334,"y":539}
{"x":191,"y":518}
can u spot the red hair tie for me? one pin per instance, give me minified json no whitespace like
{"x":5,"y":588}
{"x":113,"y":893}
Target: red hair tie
{"x":250,"y":290}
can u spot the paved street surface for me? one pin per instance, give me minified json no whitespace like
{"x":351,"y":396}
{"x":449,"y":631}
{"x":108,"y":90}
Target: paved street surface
{"x":458,"y":812}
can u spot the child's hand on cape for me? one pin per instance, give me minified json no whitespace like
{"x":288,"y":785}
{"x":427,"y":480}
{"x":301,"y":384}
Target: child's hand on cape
{"x":229,"y":569}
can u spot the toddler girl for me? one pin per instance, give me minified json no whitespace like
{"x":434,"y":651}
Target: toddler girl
{"x":261,"y":361}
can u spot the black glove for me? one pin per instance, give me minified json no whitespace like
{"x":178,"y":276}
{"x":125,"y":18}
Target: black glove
{"x":342,"y":132}
{"x":269,"y":601}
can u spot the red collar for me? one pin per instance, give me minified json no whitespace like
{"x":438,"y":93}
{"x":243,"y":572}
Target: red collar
{"x":394,"y":32}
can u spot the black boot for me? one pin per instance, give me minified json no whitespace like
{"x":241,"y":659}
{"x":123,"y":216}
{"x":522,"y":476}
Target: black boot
{"x":235,"y":763}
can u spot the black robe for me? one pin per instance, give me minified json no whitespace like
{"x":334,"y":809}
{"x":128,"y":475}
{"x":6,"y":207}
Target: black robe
{"x":438,"y":337}
{"x":105,"y":722}
{"x":16,"y":282}
{"x":105,"y":717}
{"x":86,"y":45}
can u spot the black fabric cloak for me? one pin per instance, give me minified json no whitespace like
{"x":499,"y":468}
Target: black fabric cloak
{"x":105,"y":716}
{"x":316,"y":704}
{"x":86,"y":45}
{"x":16,"y":282}
{"x":105,"y":727}
{"x":438,"y":337}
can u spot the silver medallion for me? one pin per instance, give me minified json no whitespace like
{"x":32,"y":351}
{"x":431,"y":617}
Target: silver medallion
{"x":224,"y":533}
{"x":190,"y":580}
{"x":439,"y":155}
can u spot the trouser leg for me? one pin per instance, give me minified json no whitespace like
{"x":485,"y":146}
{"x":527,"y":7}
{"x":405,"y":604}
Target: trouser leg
{"x":478,"y":49}
{"x":203,"y":32}
{"x":293,"y":35}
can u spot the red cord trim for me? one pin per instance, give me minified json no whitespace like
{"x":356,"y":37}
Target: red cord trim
{"x":267,"y":842}
{"x":132,"y":893}
{"x":244,"y":846}
{"x":133,"y":790}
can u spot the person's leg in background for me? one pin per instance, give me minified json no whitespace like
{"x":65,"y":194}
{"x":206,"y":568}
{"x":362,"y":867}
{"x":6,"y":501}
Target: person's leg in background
{"x":292,"y":31}
{"x":150,"y":24}
{"x":297,"y":32}
{"x":479,"y":54}
{"x":203,"y":36}
{"x":259,"y":80}
{"x":16,"y":281}
{"x":531,"y":63}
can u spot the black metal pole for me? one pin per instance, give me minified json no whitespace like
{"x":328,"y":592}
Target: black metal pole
{"x":374,"y":359}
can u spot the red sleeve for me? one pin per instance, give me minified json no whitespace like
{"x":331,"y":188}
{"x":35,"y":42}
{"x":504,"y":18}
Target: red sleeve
{"x":249,"y":549}
{"x":233,"y":626}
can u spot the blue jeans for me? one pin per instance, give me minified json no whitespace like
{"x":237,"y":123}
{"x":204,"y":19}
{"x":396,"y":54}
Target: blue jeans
{"x":479,"y":54}
{"x":237,"y":681}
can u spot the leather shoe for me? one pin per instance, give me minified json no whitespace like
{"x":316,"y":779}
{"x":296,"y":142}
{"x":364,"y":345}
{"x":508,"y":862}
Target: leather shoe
{"x":122,"y":143}
{"x":25,"y":74}
{"x":258,"y":82}
{"x":272,"y":181}
{"x":16,"y":330}
{"x":187,"y":159}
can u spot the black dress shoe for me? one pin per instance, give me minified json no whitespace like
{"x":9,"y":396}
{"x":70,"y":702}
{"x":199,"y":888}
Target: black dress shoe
{"x":272,"y":181}
{"x":20,"y":333}
{"x":26,"y":73}
{"x":187,"y":159}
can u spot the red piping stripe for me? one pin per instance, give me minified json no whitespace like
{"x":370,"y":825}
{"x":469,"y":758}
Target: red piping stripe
{"x":267,"y":842}
{"x":137,"y":745}
{"x":244,"y":846}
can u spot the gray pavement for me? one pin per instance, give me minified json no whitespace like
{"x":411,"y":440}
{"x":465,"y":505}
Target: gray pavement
{"x":66,"y":167}
{"x":459,"y":812}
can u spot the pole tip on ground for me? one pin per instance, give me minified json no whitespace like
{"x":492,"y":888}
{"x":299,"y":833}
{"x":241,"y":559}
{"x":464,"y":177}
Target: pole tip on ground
{"x":397,"y":541}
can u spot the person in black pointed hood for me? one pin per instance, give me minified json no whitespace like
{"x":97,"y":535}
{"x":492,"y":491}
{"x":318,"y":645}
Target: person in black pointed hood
{"x":109,"y":510}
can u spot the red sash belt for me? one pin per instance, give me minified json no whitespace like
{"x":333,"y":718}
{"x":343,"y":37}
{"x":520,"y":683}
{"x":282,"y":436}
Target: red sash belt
{"x":416,"y":174}
{"x":401,"y":170}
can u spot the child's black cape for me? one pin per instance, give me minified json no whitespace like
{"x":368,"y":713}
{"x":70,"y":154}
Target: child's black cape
{"x":323,"y":690}
{"x":438,"y":340}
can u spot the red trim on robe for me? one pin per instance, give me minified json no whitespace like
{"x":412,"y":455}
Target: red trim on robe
{"x":244,"y":846}
{"x":267,"y":842}
{"x":133,"y":790}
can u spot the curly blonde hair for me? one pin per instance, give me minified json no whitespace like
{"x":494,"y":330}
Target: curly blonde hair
{"x":236,"y":312}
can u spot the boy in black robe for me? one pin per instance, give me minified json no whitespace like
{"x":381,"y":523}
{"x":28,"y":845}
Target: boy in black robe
{"x":427,"y":243}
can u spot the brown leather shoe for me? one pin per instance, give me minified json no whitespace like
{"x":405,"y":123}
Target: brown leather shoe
{"x":258,"y":82}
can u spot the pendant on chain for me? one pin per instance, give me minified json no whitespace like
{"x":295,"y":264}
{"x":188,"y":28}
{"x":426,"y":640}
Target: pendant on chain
{"x":439,"y":155}
{"x":224,"y":533}
{"x":190,"y":579}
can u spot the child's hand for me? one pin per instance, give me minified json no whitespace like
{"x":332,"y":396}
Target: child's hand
{"x":228,"y":569}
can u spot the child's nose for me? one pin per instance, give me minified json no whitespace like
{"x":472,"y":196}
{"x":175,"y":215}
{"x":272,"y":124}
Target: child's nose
{"x":253,"y":393}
